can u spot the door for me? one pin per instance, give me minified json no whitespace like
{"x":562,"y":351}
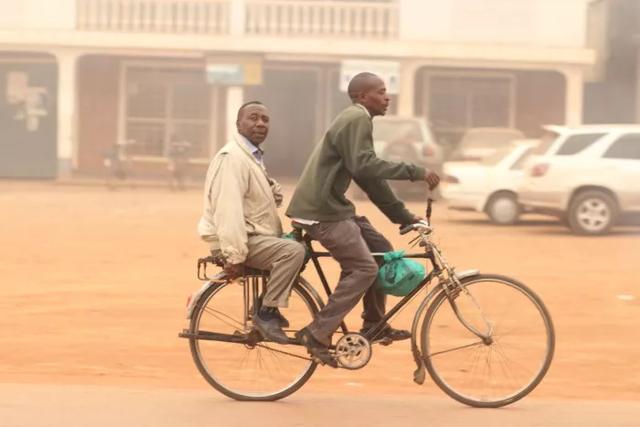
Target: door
{"x":291,"y":95}
{"x":622,"y":163}
{"x":28,"y":120}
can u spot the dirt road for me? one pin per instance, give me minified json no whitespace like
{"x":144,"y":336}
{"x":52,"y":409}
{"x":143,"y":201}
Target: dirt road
{"x":99,"y":406}
{"x":94,"y":285}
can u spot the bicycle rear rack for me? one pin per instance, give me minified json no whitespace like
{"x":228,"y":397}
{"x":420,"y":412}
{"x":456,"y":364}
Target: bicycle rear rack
{"x":202,"y":266}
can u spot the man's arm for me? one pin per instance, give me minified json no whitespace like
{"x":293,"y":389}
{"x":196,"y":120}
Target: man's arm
{"x":382,"y":196}
{"x":354,"y":142}
{"x":276,"y":189}
{"x":227,"y":191}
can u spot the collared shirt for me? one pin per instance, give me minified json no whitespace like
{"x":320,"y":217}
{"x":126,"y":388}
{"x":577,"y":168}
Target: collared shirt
{"x":253,"y":149}
{"x":364,"y":108}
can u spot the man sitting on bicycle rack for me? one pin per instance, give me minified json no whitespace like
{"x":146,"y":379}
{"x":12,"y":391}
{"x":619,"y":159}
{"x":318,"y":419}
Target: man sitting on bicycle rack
{"x":240,"y":220}
{"x":319,"y":205}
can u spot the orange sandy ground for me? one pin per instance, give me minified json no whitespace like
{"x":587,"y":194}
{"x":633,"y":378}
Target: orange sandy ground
{"x":94,"y":285}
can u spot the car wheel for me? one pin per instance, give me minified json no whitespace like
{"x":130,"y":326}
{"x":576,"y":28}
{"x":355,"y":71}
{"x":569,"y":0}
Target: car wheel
{"x":503,"y":208}
{"x":592,"y":213}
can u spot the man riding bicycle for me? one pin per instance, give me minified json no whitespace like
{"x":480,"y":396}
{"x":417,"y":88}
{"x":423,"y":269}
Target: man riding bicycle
{"x":320,"y":207}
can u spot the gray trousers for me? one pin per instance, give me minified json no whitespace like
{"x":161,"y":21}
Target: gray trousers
{"x":284,"y":258}
{"x":350,"y":243}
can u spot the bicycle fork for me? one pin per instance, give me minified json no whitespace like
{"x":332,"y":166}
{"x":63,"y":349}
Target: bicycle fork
{"x":452,"y":287}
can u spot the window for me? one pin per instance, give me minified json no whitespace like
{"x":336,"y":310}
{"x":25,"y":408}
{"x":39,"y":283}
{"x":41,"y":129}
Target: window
{"x":546,"y":141}
{"x":164,"y":106}
{"x":519,"y":164}
{"x":460,"y":102}
{"x":576,"y":143}
{"x":626,"y":147}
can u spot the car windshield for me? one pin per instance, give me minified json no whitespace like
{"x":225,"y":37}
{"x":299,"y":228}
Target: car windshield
{"x":489,"y":138}
{"x":396,"y":130}
{"x":546,"y":141}
{"x":519,"y":163}
{"x":497,"y":156}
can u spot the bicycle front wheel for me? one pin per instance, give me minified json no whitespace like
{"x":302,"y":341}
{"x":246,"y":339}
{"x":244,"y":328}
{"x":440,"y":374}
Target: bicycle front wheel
{"x":514,"y":355}
{"x":263,"y":371}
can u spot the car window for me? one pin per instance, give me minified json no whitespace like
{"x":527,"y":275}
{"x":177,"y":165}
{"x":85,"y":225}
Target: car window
{"x":494,"y":158}
{"x":576,"y":143}
{"x":519,"y":163}
{"x":626,"y":147}
{"x":546,"y":141}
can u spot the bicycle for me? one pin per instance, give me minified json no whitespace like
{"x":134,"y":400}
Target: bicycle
{"x":485,"y":340}
{"x":178,"y":164}
{"x":118,"y":164}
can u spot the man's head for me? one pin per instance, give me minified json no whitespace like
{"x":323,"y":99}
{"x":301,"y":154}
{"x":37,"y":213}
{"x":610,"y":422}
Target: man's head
{"x":369,"y":90}
{"x":253,"y":121}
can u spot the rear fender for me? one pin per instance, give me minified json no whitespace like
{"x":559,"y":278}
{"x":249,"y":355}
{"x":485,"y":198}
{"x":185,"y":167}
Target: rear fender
{"x":195,"y":297}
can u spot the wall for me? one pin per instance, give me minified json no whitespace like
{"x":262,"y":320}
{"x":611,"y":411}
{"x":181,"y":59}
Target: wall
{"x":97,"y":109}
{"x":557,"y":23}
{"x":38,"y":14}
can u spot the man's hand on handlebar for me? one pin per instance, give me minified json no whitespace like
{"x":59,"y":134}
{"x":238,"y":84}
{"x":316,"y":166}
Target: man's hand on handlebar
{"x":432,"y":179}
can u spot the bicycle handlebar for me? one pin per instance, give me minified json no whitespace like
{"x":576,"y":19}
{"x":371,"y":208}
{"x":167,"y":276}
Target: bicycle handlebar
{"x":406,"y":229}
{"x":421,"y":224}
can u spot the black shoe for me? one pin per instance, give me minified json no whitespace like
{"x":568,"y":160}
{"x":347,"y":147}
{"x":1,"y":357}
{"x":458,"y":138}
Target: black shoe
{"x":315,"y":348}
{"x":268,"y":323}
{"x":284,"y":323}
{"x":388,"y":335}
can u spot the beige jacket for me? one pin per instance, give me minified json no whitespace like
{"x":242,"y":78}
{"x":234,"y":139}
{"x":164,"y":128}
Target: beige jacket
{"x":239,"y":200}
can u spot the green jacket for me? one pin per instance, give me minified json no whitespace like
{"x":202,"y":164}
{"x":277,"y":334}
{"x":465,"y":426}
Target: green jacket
{"x":346,"y":153}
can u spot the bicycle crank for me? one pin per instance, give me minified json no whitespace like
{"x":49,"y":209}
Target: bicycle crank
{"x":353,"y":351}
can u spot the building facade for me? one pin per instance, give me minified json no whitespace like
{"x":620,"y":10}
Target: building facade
{"x":82,"y":75}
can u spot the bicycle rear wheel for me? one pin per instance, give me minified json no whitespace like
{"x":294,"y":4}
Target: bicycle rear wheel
{"x":510,"y":363}
{"x":265,"y":371}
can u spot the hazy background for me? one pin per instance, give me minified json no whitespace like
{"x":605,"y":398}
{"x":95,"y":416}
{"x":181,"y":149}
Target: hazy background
{"x":100,"y":99}
{"x":78,"y":76}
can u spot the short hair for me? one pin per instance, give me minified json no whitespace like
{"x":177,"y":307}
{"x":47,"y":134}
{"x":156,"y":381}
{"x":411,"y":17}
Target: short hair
{"x":359,"y":83}
{"x":246,"y":104}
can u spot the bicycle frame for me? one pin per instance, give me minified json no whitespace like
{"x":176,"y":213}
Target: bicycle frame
{"x":449,"y":282}
{"x":377,"y":328}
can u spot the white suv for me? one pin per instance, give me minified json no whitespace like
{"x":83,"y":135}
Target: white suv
{"x":588,"y":176}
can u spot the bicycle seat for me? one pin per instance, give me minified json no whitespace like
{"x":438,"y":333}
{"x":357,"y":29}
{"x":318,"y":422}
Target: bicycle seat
{"x":299,"y":231}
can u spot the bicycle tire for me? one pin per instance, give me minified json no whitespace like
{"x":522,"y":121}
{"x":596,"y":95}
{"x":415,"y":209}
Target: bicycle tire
{"x":215,"y":378}
{"x":458,"y":373}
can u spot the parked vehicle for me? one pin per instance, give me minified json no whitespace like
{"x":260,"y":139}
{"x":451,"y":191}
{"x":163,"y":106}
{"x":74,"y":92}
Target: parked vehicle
{"x":491,"y":185}
{"x":478,"y":143}
{"x":588,"y":176}
{"x":408,"y":140}
{"x":118,"y":164}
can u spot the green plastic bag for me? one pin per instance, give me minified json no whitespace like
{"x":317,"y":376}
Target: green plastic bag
{"x":399,"y":276}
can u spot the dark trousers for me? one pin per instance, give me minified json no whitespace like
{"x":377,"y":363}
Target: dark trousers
{"x":350,"y":242}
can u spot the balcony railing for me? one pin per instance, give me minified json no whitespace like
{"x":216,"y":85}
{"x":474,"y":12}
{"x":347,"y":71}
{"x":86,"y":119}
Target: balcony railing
{"x":154,"y":16}
{"x":298,"y":18}
{"x":326,"y":18}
